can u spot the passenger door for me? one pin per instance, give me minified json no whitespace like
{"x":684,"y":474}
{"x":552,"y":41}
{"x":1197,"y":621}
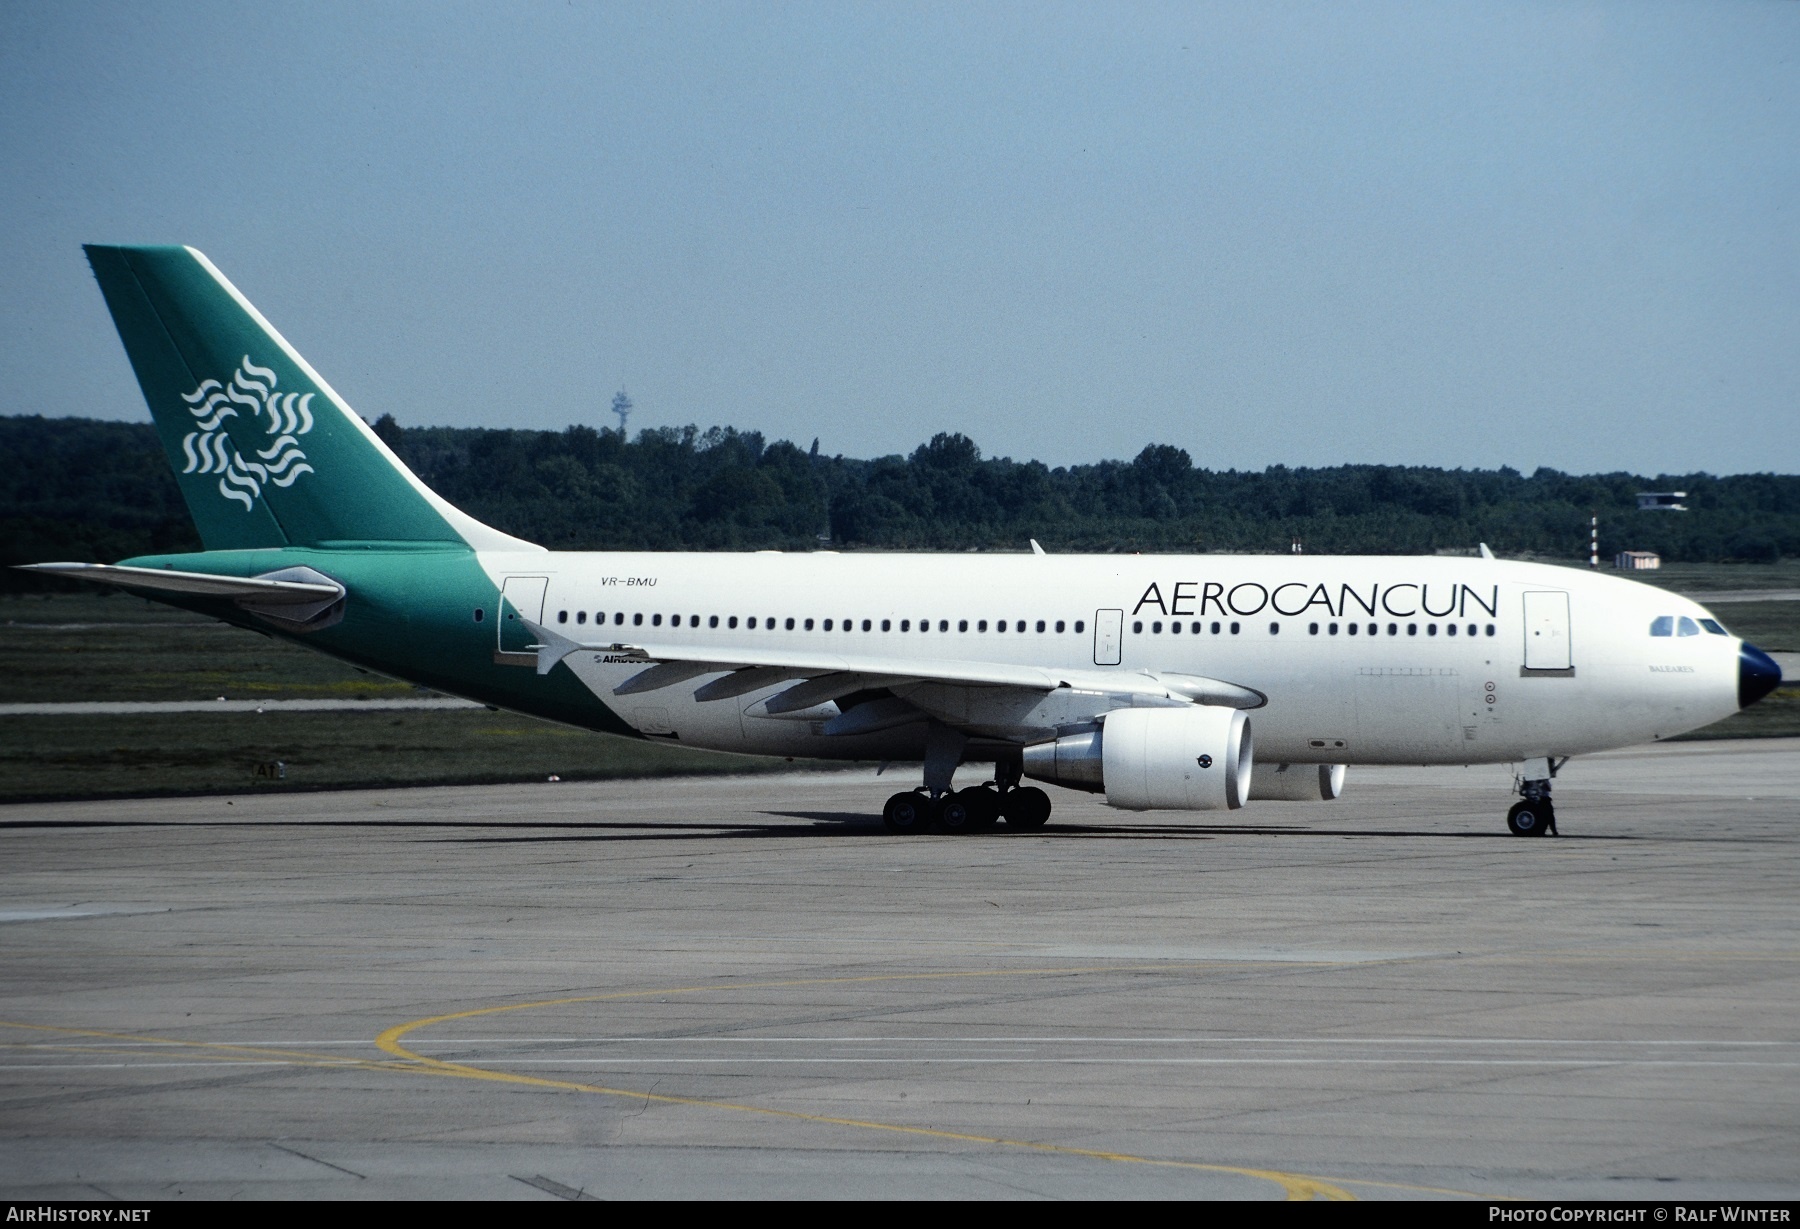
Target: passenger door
{"x":519,"y":596}
{"x":1547,"y":631}
{"x":1109,"y":631}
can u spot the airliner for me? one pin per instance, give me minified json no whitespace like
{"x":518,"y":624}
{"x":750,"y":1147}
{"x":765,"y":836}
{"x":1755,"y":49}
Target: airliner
{"x":1161,"y":682}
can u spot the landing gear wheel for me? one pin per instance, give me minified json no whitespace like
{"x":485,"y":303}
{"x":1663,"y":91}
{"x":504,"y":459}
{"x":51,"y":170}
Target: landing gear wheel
{"x":1025,"y":809}
{"x":907,"y":813}
{"x":1530,"y":818}
{"x":983,"y":806}
{"x":966,"y":810}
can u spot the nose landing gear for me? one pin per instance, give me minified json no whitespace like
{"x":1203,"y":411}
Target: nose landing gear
{"x":1533,"y":814}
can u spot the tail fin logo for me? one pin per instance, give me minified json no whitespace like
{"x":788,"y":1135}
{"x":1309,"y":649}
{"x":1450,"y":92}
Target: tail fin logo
{"x":209,"y":450}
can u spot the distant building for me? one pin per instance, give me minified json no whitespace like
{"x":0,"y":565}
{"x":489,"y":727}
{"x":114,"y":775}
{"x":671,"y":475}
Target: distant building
{"x":1637,"y":560}
{"x":1661,"y":501}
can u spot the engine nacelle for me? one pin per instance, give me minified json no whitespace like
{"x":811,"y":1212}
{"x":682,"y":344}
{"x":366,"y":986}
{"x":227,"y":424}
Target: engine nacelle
{"x":1296,"y":782}
{"x":1148,"y":759}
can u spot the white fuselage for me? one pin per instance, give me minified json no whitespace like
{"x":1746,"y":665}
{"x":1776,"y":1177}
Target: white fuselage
{"x":1399,"y":659}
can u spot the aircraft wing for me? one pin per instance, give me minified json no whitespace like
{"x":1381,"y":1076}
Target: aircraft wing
{"x":820,"y":677}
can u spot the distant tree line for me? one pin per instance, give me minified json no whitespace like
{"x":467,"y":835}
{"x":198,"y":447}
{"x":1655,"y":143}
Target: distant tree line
{"x":82,"y":489}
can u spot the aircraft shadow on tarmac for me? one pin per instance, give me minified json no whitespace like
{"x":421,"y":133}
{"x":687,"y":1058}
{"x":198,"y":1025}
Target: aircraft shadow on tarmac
{"x":825,"y":825}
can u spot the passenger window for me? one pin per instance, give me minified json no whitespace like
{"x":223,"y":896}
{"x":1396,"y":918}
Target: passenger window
{"x":562,"y":616}
{"x":1137,"y":628}
{"x":866,"y":625}
{"x":1041,"y":626}
{"x":962,"y":625}
{"x":1000,"y":626}
{"x":1450,"y":629}
{"x":1234,"y":629}
{"x":1174,"y":629}
{"x":1274,"y":629}
{"x":827,"y":625}
{"x":1215,"y":629}
{"x":789,"y":624}
{"x":1412,"y":629}
{"x":1687,"y":627}
{"x":943,"y":625}
{"x":906,"y":625}
{"x":1312,"y":629}
{"x":1157,"y":627}
{"x":1353,"y":628}
{"x":1662,"y":625}
{"x":808,"y":625}
{"x":1080,"y":626}
{"x":981,"y":625}
{"x":1490,"y":629}
{"x":887,"y":625}
{"x":1431,"y":629}
{"x":655,"y":620}
{"x":1712,"y":626}
{"x":1331,"y":628}
{"x":1059,"y":627}
{"x":712,"y":621}
{"x":694,"y":621}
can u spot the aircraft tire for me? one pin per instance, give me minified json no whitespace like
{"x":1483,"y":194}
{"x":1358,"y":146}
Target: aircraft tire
{"x":907,"y":813}
{"x":1529,"y":818}
{"x":1026,"y":809}
{"x":957,"y":814}
{"x":983,"y":805}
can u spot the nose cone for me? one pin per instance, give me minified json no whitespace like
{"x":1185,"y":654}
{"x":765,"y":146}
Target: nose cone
{"x":1758,"y":675}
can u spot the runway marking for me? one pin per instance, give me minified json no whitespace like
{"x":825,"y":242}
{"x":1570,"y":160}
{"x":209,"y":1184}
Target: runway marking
{"x":1296,"y":1186}
{"x":218,"y":1051}
{"x":1013,"y":1041}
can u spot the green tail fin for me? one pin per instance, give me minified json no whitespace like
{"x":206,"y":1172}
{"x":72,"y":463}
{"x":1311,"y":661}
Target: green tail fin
{"x":266,"y":453}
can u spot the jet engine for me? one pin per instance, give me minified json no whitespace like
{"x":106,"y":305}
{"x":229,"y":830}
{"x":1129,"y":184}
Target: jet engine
{"x":1146,"y":759}
{"x":1296,"y":782}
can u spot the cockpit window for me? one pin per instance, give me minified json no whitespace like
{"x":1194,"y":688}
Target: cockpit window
{"x":1712,"y":625}
{"x":1662,"y":625}
{"x":1687,"y":627}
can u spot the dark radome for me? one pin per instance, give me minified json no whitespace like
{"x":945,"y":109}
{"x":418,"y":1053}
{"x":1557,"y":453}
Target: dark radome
{"x":1758,"y":675}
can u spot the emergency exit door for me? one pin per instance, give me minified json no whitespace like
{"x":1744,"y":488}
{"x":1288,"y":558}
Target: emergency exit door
{"x":1109,"y":629}
{"x":1547,"y":631}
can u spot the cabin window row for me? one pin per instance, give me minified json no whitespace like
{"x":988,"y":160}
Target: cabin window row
{"x":1313,"y":629}
{"x":753,"y":622}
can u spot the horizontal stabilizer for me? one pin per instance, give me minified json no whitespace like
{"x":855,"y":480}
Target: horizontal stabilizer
{"x":262,"y":591}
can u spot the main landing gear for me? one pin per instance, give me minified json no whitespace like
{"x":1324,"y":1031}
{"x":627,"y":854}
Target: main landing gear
{"x":977,"y":809}
{"x":1533,"y":814}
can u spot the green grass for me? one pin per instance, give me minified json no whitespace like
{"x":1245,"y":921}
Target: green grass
{"x":79,"y":647}
{"x":1697,"y":578}
{"x":208,"y":753}
{"x":1773,"y":627}
{"x":1776,"y":715}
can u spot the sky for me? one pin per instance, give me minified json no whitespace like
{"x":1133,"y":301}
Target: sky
{"x":1467,"y":235}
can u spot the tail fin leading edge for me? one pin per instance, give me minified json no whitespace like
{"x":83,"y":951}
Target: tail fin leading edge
{"x":266,"y":453}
